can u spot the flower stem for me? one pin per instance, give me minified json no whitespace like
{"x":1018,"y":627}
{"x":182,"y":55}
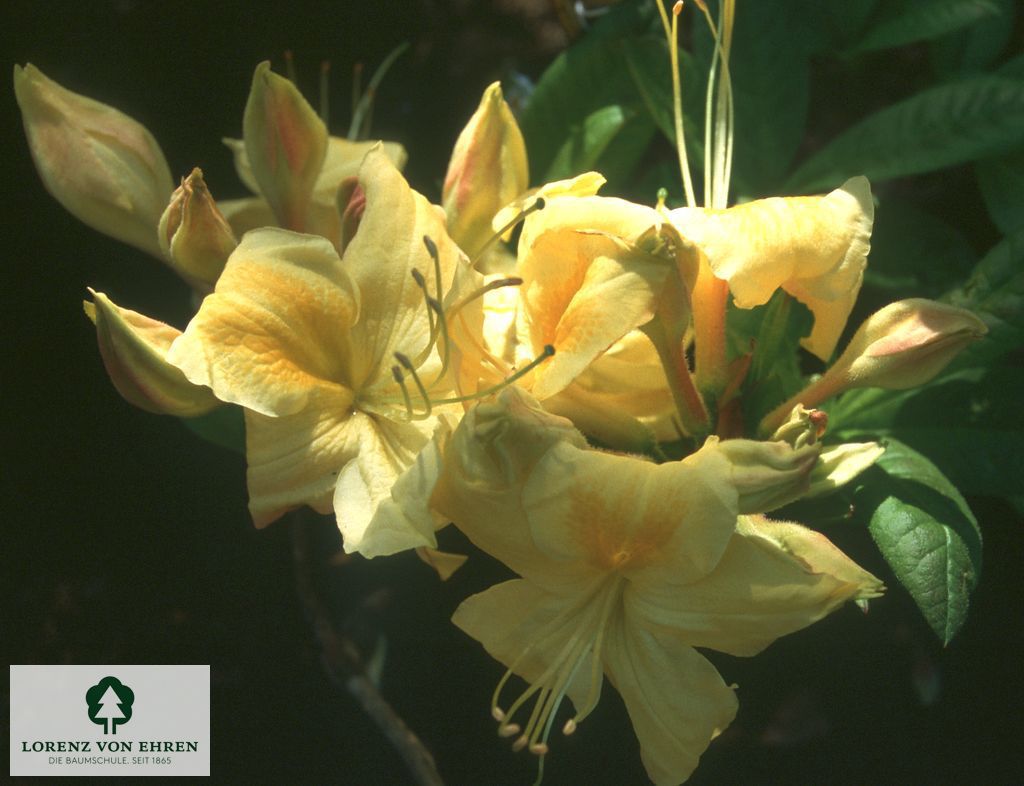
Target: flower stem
{"x":710,"y":296}
{"x":692,"y":413}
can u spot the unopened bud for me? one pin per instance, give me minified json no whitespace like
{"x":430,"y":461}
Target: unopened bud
{"x":285,"y":143}
{"x":194,"y":234}
{"x":103,"y":167}
{"x":488,"y":169}
{"x":906,"y":344}
{"x":134,"y":350}
{"x":903,"y":345}
{"x":804,"y":427}
{"x":768,"y":475}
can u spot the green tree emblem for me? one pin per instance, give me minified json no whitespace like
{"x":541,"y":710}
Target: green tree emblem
{"x":110,"y":703}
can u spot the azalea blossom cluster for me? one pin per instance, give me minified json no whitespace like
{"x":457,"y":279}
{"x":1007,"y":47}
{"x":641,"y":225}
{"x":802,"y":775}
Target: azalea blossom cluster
{"x":571,"y":402}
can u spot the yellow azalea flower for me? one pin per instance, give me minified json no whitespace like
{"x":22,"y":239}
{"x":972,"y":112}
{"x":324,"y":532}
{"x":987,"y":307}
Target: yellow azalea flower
{"x":104,"y":167}
{"x":287,"y":158}
{"x":134,"y":351}
{"x":322,"y":352}
{"x":576,"y":256}
{"x":625,"y":567}
{"x":814,"y":248}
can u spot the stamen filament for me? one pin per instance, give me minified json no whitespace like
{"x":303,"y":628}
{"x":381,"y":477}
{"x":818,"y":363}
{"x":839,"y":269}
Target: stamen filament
{"x":408,"y":366}
{"x":396,"y":372}
{"x":537,"y":204}
{"x":357,"y":86}
{"x":289,"y":67}
{"x":672,"y":36}
{"x":549,"y":351}
{"x":360,"y":124}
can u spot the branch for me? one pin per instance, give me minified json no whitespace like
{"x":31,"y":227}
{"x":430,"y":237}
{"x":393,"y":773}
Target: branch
{"x":344,"y":666}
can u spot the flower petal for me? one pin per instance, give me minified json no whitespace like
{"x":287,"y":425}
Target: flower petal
{"x":294,"y":460}
{"x":813,"y":247}
{"x":386,"y":248}
{"x":343,"y":159}
{"x":774,"y":578}
{"x":676,"y":700}
{"x":624,"y":514}
{"x":514,"y":614}
{"x":275,"y":327}
{"x":384,"y":449}
{"x":569,"y":280}
{"x":134,"y":350}
{"x":403,"y":519}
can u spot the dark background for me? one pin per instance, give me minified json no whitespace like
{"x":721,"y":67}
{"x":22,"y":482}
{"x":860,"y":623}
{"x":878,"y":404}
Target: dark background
{"x":126,"y":540}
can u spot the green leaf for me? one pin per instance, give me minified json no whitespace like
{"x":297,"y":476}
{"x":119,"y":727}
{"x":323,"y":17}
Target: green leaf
{"x":974,"y":48}
{"x":587,"y":142}
{"x":224,"y":426}
{"x":1001,"y":180}
{"x":589,"y":76}
{"x":969,"y":423}
{"x":926,"y":533}
{"x":995,"y":292}
{"x":839,"y":25}
{"x":915,"y":254}
{"x":940,"y":127}
{"x":912,"y":21}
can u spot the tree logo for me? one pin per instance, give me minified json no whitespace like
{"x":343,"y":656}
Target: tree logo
{"x":110,"y":703}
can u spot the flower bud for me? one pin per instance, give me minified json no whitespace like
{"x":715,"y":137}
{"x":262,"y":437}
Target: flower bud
{"x":906,"y":344}
{"x":194,"y":234}
{"x":487,"y":170}
{"x":768,"y":475}
{"x":103,"y":167}
{"x":285,"y":143}
{"x":804,"y":427}
{"x":134,"y":350}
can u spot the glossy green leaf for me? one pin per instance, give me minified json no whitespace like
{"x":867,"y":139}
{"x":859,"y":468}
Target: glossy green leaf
{"x":1001,"y":180}
{"x":940,"y":127}
{"x":977,"y":46}
{"x":907,"y":22}
{"x":915,"y":254}
{"x":587,"y":142}
{"x":585,"y":78}
{"x":926,"y":533}
{"x":995,"y":292}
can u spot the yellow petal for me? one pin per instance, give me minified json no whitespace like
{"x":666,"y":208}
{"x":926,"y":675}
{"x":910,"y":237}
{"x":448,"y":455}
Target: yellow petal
{"x":343,"y":159}
{"x":444,"y":562}
{"x":815,"y":248}
{"x":294,"y":460}
{"x":492,"y":453}
{"x":487,"y":170}
{"x":275,"y":328}
{"x":773,"y":579}
{"x":285,"y":142}
{"x":134,"y":350}
{"x":101,"y":165}
{"x":634,"y":517}
{"x":247,"y":214}
{"x":587,"y":184}
{"x":840,"y":464}
{"x":386,"y":248}
{"x":509,"y":616}
{"x":383,"y":496}
{"x":569,"y":280}
{"x":676,"y":700}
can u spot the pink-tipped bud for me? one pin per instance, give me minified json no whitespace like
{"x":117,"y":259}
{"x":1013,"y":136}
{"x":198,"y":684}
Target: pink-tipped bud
{"x":906,"y":344}
{"x":285,"y":142}
{"x":194,"y":234}
{"x":134,"y":350}
{"x":488,"y":169}
{"x":103,"y":167}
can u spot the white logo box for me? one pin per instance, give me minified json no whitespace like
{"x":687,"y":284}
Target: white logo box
{"x":167,"y":733}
